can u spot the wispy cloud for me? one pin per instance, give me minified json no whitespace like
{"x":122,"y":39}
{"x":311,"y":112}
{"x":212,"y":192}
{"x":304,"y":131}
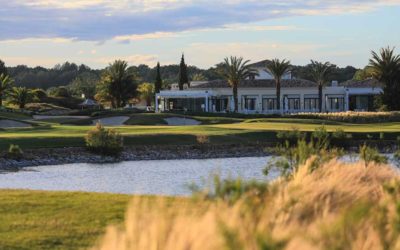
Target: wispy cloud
{"x":155,"y":35}
{"x":150,"y":60}
{"x":100,"y":20}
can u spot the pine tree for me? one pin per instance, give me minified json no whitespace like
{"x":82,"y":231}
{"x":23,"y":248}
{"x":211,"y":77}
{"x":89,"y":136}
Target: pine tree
{"x":183,"y":76}
{"x":158,"y":83}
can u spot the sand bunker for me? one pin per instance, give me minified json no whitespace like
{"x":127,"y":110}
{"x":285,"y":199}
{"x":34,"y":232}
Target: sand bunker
{"x":13,"y":124}
{"x":112,"y":121}
{"x":179,"y":121}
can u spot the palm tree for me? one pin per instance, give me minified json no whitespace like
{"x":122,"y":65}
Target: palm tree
{"x":235,"y":70}
{"x":320,"y":73}
{"x":117,"y":85}
{"x":146,"y":91}
{"x":386,"y":69}
{"x":20,"y":96}
{"x":199,"y":77}
{"x":278,"y":69}
{"x":5,"y":85}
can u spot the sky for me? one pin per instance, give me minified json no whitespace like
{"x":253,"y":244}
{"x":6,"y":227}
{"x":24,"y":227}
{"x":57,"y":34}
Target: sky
{"x":97,"y":32}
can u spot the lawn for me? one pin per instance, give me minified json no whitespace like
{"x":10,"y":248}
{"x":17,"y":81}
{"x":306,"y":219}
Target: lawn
{"x":14,"y":115}
{"x":56,"y":220}
{"x":251,"y":130}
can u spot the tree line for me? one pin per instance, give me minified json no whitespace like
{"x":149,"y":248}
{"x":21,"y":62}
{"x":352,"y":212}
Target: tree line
{"x":67,"y":73}
{"x":118,"y":83}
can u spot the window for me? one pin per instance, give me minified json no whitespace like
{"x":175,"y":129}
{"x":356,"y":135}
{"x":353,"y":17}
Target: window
{"x":335,"y":103}
{"x":291,"y":102}
{"x":362,"y":103}
{"x":250,"y":102}
{"x":294,"y":103}
{"x":221,"y":104}
{"x":269,"y":103}
{"x":311,"y":103}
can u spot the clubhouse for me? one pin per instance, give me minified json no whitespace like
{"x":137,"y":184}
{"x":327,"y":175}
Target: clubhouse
{"x":258,"y":96}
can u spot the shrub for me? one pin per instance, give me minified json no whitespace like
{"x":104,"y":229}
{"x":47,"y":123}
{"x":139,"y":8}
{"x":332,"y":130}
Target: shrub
{"x":15,"y":152}
{"x":353,"y":117}
{"x":104,"y":141}
{"x":320,"y":137}
{"x":230,"y":189}
{"x":59,"y":92}
{"x":291,"y":157}
{"x":339,"y":134}
{"x":39,"y":95}
{"x":396,"y":158}
{"x":369,"y":155}
{"x":202,"y":139}
{"x":292,"y":136}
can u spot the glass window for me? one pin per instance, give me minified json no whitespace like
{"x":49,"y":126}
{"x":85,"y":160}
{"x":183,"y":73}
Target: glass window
{"x":220,"y":104}
{"x":311,"y":103}
{"x":362,"y":102}
{"x":336,"y":103}
{"x":269,"y":104}
{"x":250,"y":103}
{"x":293,"y":103}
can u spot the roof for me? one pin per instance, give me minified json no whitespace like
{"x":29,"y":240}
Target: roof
{"x":368,"y":83}
{"x":261,"y":83}
{"x":260,"y":64}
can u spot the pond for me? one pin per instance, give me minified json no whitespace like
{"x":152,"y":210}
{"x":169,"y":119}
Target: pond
{"x":166,"y":177}
{"x":163,"y":177}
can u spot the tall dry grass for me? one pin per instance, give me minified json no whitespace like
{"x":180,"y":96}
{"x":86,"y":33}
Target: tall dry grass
{"x":337,"y":206}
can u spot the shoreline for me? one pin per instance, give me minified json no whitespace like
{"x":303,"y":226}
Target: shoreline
{"x":71,"y":155}
{"x":60,"y":156}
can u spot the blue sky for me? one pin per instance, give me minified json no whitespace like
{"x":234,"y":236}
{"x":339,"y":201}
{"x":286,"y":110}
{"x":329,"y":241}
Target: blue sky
{"x":96,"y":32}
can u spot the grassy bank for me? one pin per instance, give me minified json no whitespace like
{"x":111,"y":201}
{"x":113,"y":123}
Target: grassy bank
{"x":247,"y":131}
{"x":56,"y":220}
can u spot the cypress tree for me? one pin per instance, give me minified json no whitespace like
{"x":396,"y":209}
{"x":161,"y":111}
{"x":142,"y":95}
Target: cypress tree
{"x":158,"y":83}
{"x":183,"y":76}
{"x":3,"y":69}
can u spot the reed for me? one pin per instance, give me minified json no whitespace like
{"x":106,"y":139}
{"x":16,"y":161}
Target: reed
{"x":336,"y":206}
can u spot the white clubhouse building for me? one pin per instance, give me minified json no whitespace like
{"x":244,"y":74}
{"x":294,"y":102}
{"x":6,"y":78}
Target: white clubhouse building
{"x":258,"y":96}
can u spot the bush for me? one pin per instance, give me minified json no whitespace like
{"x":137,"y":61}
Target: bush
{"x":230,"y":189}
{"x":370,"y":155}
{"x":320,"y":137}
{"x":104,"y":141}
{"x":59,"y":92}
{"x":202,"y":139}
{"x":292,"y":136}
{"x":291,"y":157}
{"x":353,"y":117}
{"x":339,"y":134}
{"x":396,"y":158}
{"x":15,"y":152}
{"x":39,"y":95}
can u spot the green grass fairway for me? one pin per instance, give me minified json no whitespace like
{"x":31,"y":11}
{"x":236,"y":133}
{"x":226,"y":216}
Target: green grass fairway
{"x":56,"y":220}
{"x":41,"y":220}
{"x":255,"y":130}
{"x":14,"y":115}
